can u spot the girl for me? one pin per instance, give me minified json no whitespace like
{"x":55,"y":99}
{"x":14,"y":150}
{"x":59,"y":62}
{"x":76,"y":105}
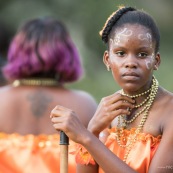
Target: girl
{"x":135,"y":123}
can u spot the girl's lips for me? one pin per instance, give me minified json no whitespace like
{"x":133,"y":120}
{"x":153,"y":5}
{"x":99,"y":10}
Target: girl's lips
{"x":132,"y":74}
{"x":130,"y":78}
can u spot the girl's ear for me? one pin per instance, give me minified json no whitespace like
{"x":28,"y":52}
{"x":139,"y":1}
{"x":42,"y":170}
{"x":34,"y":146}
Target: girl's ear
{"x":106,"y":60}
{"x":157,"y":61}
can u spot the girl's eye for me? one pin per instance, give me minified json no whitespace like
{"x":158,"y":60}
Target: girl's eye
{"x":142,"y":54}
{"x":120,"y":53}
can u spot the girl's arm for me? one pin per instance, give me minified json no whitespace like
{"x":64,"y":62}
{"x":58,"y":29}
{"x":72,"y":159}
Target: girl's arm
{"x":108,"y":161}
{"x":110,"y":107}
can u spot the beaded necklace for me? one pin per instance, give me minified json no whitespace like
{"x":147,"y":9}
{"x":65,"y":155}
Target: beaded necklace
{"x":132,"y":139}
{"x":36,"y":82}
{"x":137,"y":95}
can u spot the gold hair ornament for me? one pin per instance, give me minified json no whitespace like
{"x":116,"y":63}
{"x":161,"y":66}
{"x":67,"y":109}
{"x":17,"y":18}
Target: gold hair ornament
{"x":36,"y":82}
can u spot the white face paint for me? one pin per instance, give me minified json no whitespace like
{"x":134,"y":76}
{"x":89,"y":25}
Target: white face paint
{"x":119,"y":36}
{"x":149,"y":62}
{"x":124,"y":33}
{"x":146,"y":37}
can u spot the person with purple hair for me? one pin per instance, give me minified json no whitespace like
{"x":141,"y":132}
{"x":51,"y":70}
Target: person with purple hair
{"x":42,"y":58}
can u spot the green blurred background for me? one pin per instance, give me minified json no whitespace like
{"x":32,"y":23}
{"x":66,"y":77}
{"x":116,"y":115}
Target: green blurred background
{"x":84,"y":20}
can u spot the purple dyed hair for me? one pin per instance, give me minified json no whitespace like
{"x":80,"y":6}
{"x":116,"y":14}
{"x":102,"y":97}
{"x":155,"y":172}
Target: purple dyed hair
{"x":43,"y":48}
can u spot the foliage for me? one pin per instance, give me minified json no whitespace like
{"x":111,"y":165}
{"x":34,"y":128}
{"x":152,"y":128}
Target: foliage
{"x":84,"y":19}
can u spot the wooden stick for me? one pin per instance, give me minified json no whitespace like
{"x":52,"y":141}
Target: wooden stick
{"x":64,"y":142}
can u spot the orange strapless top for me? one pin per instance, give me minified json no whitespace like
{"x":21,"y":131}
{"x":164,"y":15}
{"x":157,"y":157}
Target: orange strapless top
{"x":27,"y":154}
{"x":139,"y":157}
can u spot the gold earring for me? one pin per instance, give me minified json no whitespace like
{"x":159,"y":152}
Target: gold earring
{"x":156,"y":67}
{"x":108,"y":68}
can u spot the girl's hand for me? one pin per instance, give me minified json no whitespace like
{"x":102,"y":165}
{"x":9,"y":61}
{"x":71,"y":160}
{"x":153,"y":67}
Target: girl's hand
{"x":109,"y":108}
{"x":65,"y":120}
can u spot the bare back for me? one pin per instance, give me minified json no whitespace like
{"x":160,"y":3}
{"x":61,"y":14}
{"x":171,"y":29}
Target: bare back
{"x":26,"y":109}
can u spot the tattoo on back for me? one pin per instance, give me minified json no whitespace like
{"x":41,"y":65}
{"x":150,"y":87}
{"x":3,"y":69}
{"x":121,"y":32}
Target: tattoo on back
{"x":39,"y":102}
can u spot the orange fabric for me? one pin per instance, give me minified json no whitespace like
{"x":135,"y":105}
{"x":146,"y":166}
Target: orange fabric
{"x":27,"y":154}
{"x":140,"y":155}
{"x":83,"y":156}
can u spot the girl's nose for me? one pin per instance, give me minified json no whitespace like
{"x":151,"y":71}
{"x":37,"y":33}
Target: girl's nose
{"x":130,"y":62}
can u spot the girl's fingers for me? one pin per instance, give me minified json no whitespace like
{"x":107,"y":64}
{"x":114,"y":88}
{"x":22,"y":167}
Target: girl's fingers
{"x":115,"y":98}
{"x":119,"y":105}
{"x":118,"y":112}
{"x":122,"y":104}
{"x":60,"y":123}
{"x":59,"y":107}
{"x":59,"y":127}
{"x":57,"y":119}
{"x":59,"y":111}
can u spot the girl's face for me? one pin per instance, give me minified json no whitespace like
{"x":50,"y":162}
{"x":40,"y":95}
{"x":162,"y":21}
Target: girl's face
{"x":131,"y":57}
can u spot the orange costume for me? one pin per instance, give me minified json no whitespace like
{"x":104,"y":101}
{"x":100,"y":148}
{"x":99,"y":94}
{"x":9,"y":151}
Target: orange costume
{"x":29,"y":153}
{"x":140,"y":155}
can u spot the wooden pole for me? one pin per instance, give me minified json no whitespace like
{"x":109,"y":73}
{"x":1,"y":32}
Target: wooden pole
{"x":64,"y":142}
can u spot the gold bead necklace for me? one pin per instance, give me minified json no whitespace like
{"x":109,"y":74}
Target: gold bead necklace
{"x":137,"y":95}
{"x":141,"y":104}
{"x":132,"y":139}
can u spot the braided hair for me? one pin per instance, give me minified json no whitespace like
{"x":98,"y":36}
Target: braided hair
{"x":111,"y":21}
{"x":125,"y":15}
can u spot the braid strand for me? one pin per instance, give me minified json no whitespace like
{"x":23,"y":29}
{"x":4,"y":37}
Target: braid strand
{"x":112,"y":19}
